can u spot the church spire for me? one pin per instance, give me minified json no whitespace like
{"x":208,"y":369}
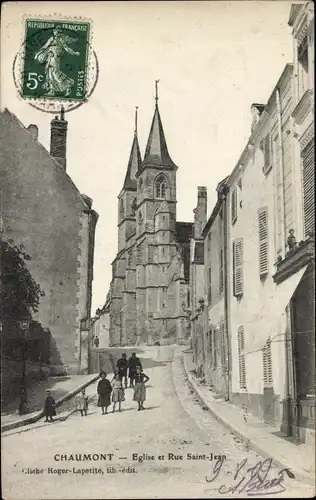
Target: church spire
{"x":135,"y":160}
{"x":156,"y":153}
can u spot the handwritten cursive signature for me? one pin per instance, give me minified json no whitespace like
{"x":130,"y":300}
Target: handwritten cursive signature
{"x":252,"y":480}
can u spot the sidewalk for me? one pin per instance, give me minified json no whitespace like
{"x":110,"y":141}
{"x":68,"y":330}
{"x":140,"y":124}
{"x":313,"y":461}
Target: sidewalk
{"x":63,"y":389}
{"x":260,"y":436}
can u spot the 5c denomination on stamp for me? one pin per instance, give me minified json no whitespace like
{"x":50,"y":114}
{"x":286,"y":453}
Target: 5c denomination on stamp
{"x":56,"y":63}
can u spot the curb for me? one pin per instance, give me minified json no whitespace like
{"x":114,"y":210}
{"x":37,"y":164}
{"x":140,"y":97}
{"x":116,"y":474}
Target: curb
{"x":300,"y":475}
{"x":31,"y":420}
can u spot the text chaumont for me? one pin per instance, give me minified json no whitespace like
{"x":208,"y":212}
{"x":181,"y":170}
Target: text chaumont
{"x":82,"y":457}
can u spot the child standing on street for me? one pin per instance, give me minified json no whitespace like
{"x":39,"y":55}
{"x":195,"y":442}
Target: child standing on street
{"x":83,"y":403}
{"x":49,"y":407}
{"x":118,"y":394}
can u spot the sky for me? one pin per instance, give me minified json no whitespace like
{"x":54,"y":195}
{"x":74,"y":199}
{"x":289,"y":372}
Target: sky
{"x":213,"y":60}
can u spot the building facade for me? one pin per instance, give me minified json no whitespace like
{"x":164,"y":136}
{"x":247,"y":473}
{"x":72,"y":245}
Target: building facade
{"x":258,"y":339}
{"x":43,"y":210}
{"x":150,"y":274}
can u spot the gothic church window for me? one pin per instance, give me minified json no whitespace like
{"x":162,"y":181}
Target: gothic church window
{"x":161,"y":187}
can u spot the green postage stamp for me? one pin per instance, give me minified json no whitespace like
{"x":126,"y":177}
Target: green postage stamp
{"x":55,"y":63}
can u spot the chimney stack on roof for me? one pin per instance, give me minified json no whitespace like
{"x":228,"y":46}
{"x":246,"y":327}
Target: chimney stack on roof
{"x":33,"y":130}
{"x":200,"y":212}
{"x":58,"y":138}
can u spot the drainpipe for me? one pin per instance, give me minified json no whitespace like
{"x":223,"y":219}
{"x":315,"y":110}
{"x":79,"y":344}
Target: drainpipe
{"x":279,"y":118}
{"x":226,"y":300}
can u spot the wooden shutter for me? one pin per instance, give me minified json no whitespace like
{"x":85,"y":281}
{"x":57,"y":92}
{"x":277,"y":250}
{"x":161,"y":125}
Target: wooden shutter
{"x":223,"y":344}
{"x":267,"y":153}
{"x":234,"y":205}
{"x":308,"y":157}
{"x":221,"y":271}
{"x":238,"y":267}
{"x":209,"y":285}
{"x":267,"y":365}
{"x":241,"y":356}
{"x":263,"y":241}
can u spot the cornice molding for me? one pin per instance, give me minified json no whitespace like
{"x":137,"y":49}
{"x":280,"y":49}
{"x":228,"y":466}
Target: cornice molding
{"x":303,"y":107}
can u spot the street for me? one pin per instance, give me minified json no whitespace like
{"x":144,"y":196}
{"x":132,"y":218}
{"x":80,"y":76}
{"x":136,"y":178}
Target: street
{"x":167,"y":451}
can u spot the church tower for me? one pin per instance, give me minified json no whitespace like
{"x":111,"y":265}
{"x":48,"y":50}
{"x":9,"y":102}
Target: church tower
{"x":123,"y":294}
{"x":155,"y":228}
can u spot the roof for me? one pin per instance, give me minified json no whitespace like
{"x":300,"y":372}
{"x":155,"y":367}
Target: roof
{"x":84,"y":199}
{"x":156,"y":153}
{"x":134,"y":164}
{"x":198,"y":257}
{"x":184,"y":231}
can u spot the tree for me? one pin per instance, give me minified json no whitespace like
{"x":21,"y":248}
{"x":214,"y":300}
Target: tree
{"x":19,"y":292}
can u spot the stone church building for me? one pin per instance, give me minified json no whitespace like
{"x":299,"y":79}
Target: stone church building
{"x":150,"y":274}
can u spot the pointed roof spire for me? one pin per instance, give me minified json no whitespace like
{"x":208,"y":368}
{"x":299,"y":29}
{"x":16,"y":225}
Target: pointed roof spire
{"x":156,"y":153}
{"x":135,"y":160}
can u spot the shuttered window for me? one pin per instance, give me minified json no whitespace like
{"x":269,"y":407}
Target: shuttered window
{"x":263,"y":241}
{"x":267,"y":153}
{"x":241,"y":356}
{"x":223,"y":344}
{"x":234,"y":205}
{"x":209,"y":294}
{"x":221,"y":270}
{"x":267,"y":365}
{"x":238,"y":263}
{"x":308,"y":157}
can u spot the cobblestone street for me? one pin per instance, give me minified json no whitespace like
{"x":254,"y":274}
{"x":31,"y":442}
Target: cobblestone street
{"x":173,"y":425}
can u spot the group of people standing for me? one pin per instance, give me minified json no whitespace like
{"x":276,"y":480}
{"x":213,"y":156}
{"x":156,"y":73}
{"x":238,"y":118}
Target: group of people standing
{"x":126,"y":368}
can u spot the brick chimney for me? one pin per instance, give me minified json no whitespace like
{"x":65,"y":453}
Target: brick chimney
{"x":200,"y":212}
{"x":58,"y":138}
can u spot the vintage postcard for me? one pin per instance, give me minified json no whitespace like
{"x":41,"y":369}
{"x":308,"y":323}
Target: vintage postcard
{"x":157,"y":261}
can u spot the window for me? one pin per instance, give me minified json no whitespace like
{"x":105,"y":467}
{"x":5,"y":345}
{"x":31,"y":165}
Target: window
{"x":308,"y":156}
{"x":267,"y":365}
{"x":241,"y":356}
{"x":140,"y":217}
{"x":238,"y":267}
{"x":209,"y":294}
{"x":160,"y":187}
{"x":140,"y":184}
{"x":223,"y":344}
{"x":303,"y":66}
{"x":221,"y":271}
{"x":150,"y":254}
{"x":263,"y":242}
{"x":265,"y":146}
{"x":234,"y":205}
{"x":134,"y":206}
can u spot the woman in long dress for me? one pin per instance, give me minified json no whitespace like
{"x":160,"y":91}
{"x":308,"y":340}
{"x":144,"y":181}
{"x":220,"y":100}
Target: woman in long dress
{"x":104,"y":391}
{"x":140,"y":388}
{"x":50,"y":54}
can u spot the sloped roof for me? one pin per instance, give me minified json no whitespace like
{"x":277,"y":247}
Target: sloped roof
{"x":156,"y":153}
{"x":134,"y":164}
{"x":184,"y":231}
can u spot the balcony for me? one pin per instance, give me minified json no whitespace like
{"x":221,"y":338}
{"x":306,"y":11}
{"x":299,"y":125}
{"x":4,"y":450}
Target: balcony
{"x":295,"y":259}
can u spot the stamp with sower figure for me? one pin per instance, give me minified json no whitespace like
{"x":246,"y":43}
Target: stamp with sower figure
{"x":56,"y":63}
